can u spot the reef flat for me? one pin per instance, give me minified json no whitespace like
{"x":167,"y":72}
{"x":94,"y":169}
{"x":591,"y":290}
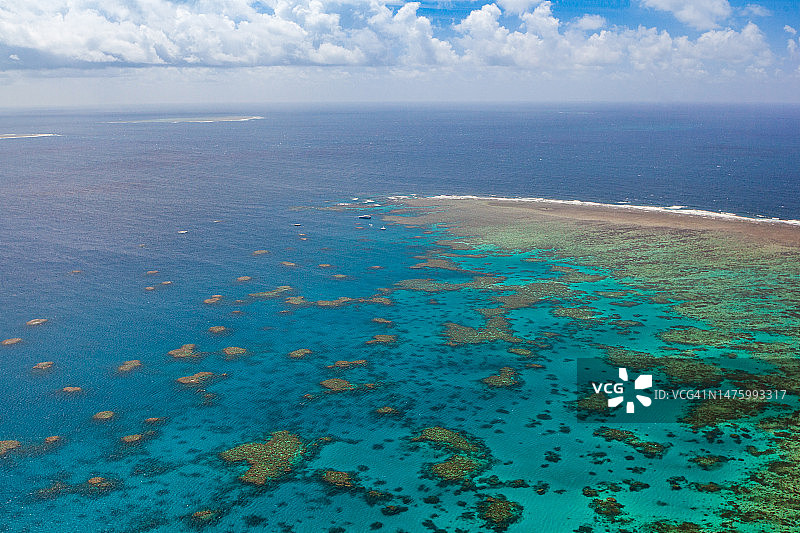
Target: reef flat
{"x":734,"y":281}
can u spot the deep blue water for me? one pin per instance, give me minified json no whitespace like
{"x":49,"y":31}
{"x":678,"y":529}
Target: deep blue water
{"x":109,"y":199}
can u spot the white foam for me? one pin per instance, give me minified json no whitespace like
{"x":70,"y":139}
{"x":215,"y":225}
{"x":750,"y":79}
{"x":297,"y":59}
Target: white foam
{"x":190,"y":120}
{"x":27,"y":135}
{"x":675,"y":209}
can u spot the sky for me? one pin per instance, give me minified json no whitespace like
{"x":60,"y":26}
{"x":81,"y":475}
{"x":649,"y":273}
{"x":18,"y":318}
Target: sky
{"x":139,"y":52}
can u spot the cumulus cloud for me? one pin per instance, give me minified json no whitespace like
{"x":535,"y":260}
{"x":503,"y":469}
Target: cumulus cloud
{"x":699,"y":14}
{"x":523,"y":34}
{"x":756,"y":10}
{"x":590,"y":22}
{"x":518,"y":6}
{"x":789,"y":29}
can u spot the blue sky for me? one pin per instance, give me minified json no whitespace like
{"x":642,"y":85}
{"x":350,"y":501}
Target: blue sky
{"x":114,"y":52}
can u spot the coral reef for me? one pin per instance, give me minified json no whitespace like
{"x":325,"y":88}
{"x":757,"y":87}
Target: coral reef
{"x":337,"y":478}
{"x":299,"y":353}
{"x":195,"y":379}
{"x":498,"y":512}
{"x":447,"y":438}
{"x":348,"y":364}
{"x":382,"y":339}
{"x":274,"y":293}
{"x":187,"y":350}
{"x":127,"y":366}
{"x":268,"y":460}
{"x":36,"y":322}
{"x":12,"y":341}
{"x":497,"y":329}
{"x":648,"y":449}
{"x":103,"y":415}
{"x":8,"y":445}
{"x":507,"y":377}
{"x":457,"y":468}
{"x":337,"y":385}
{"x":233,"y":351}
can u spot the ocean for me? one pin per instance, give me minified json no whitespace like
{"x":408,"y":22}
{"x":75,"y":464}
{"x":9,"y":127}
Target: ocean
{"x":122,"y":228}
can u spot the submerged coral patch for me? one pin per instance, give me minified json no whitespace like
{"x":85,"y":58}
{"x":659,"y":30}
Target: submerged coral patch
{"x":506,"y":377}
{"x":498,"y":513}
{"x":269,"y":460}
{"x":447,"y":438}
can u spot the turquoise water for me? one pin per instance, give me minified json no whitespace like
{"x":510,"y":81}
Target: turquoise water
{"x":110,"y":200}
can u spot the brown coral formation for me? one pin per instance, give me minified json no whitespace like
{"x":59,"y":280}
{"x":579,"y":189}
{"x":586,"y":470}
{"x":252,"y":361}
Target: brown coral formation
{"x":348,"y":364}
{"x":217,"y":330}
{"x":499,"y":513}
{"x":127,"y":366}
{"x":288,"y":264}
{"x":233,"y":351}
{"x":36,"y":322}
{"x":187,"y":350}
{"x":648,"y":449}
{"x":337,"y":478}
{"x":379,"y":320}
{"x":44,"y":365}
{"x":99,"y":482}
{"x":497,"y":329}
{"x":71,"y":389}
{"x":338,"y":302}
{"x":299,"y":353}
{"x":457,"y":468}
{"x":387,"y":410}
{"x":268,"y":460}
{"x":203,"y":516}
{"x":446,"y":437}
{"x":8,"y":445}
{"x":506,"y":377}
{"x":337,"y":385}
{"x":195,"y":379}
{"x":103,"y":415}
{"x":382,"y":339}
{"x":274,"y":293}
{"x":243,"y":278}
{"x":444,"y":264}
{"x":132,"y":439}
{"x":260,"y":252}
{"x":12,"y":341}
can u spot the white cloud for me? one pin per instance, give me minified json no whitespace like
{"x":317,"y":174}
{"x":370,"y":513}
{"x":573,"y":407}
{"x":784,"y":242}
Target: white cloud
{"x":699,"y":14}
{"x":756,"y":10}
{"x":239,"y":33}
{"x":590,"y":22}
{"x":789,"y":29}
{"x":518,"y":6}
